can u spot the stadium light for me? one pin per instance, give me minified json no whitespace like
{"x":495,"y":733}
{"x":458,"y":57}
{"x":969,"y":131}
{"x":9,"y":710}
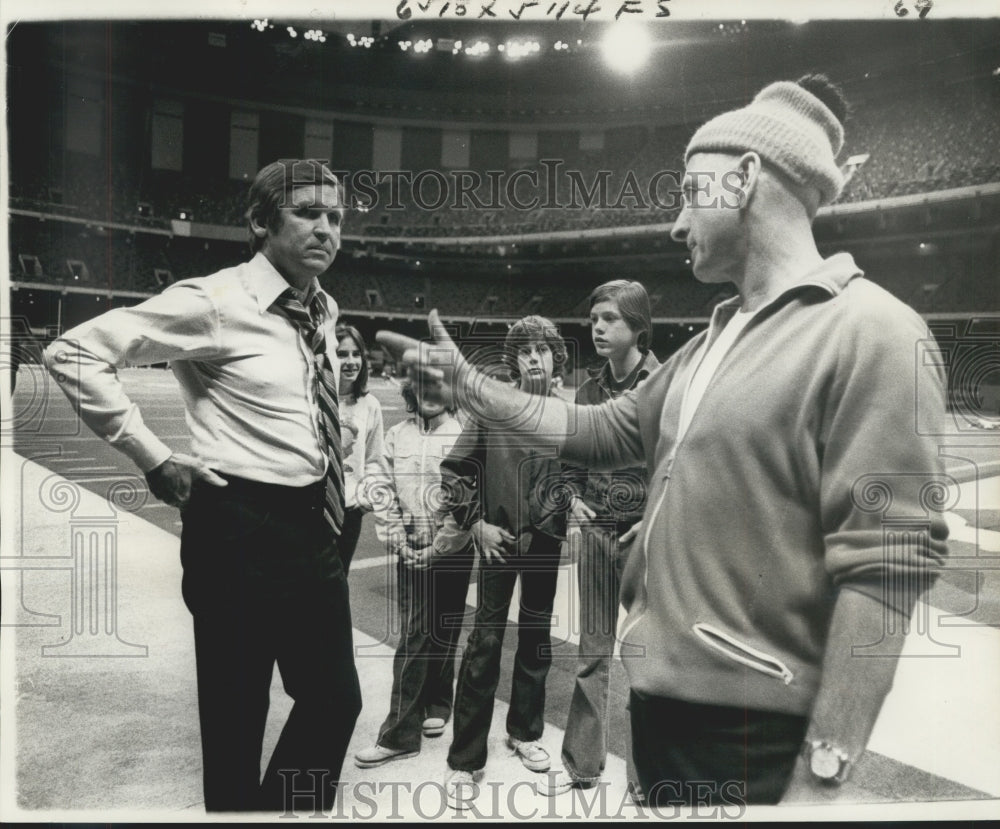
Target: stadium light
{"x":517,"y":49}
{"x":364,"y":41}
{"x":480,"y":47}
{"x":626,"y":47}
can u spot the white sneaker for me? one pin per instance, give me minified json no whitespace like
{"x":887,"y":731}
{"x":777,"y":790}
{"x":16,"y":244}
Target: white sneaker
{"x":533,"y":755}
{"x":561,"y":781}
{"x":434,"y":726}
{"x":461,"y":788}
{"x":377,"y":755}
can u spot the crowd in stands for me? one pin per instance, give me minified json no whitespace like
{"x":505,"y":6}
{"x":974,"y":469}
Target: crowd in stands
{"x":103,"y":227}
{"x":53,"y":251}
{"x":921,"y":142}
{"x":69,"y":253}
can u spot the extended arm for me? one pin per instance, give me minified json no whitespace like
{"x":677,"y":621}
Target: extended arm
{"x":598,"y":437}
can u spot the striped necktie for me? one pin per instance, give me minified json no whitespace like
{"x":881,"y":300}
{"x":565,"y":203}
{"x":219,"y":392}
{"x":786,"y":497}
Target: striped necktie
{"x":310,"y":325}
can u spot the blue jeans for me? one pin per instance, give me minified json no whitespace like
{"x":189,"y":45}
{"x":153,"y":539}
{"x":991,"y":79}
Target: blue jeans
{"x":479,"y":675}
{"x":599,"y":576}
{"x":431,"y":609}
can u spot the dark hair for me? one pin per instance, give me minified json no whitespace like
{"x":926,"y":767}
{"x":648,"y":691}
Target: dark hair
{"x":359,"y":388}
{"x":633,"y":304}
{"x":534,"y":329}
{"x":272,"y":186}
{"x":828,"y":92}
{"x":410,"y":397}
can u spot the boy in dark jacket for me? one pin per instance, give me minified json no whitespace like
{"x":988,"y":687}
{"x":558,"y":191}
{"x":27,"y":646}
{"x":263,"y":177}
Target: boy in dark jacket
{"x":507,"y":494}
{"x":605,"y":507}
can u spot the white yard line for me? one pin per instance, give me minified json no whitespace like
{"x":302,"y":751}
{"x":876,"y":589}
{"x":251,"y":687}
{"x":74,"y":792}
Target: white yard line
{"x":88,"y":438}
{"x":94,"y":479}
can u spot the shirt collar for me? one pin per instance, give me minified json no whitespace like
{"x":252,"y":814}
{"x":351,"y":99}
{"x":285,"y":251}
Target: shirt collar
{"x":266,"y":285}
{"x":602,"y":375}
{"x":830,"y":276}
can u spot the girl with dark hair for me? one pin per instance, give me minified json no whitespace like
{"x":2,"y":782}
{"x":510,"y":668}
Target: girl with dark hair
{"x":361,"y":433}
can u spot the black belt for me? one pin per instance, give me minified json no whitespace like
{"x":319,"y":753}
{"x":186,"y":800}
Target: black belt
{"x":275,"y":494}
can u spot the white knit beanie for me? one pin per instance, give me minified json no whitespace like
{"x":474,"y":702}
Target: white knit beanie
{"x":788,"y":127}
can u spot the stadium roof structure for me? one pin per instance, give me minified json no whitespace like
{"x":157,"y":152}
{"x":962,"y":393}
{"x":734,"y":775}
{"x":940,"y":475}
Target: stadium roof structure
{"x":694,"y":67}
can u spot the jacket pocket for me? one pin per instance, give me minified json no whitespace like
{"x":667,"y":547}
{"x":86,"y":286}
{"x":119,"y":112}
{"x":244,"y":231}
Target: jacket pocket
{"x":741,"y":652}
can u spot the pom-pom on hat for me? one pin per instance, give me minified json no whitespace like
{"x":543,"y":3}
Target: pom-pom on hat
{"x":788,"y":127}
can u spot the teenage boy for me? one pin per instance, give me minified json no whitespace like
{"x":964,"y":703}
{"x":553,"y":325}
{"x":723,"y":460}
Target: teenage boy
{"x":605,"y":508}
{"x":503,"y":489}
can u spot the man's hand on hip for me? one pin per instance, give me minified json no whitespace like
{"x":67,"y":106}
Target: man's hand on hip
{"x":171,"y":481}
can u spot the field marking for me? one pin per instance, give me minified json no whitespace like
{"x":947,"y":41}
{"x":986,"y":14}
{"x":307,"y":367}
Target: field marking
{"x":92,"y":438}
{"x":374,"y":561}
{"x":93,"y":479}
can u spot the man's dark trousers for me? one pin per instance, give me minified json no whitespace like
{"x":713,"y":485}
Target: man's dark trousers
{"x":265,"y":584}
{"x":695,"y":753}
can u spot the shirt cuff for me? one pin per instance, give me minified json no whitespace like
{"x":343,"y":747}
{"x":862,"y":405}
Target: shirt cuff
{"x":145,"y":449}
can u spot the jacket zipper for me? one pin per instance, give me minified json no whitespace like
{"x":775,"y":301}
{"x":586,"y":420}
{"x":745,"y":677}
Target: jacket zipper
{"x":645,"y":548}
{"x":647,"y":529}
{"x":742,"y":653}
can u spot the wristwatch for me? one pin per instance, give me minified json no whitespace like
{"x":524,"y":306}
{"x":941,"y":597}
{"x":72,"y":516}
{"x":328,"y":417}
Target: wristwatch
{"x":826,"y":761}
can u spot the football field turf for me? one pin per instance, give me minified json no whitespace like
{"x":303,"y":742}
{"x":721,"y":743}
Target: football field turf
{"x":103,"y":670}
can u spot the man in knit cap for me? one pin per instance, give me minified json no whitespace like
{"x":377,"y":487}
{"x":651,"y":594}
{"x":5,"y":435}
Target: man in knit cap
{"x":762,"y":586}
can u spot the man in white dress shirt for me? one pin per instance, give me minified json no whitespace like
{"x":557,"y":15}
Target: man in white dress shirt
{"x":260,"y":494}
